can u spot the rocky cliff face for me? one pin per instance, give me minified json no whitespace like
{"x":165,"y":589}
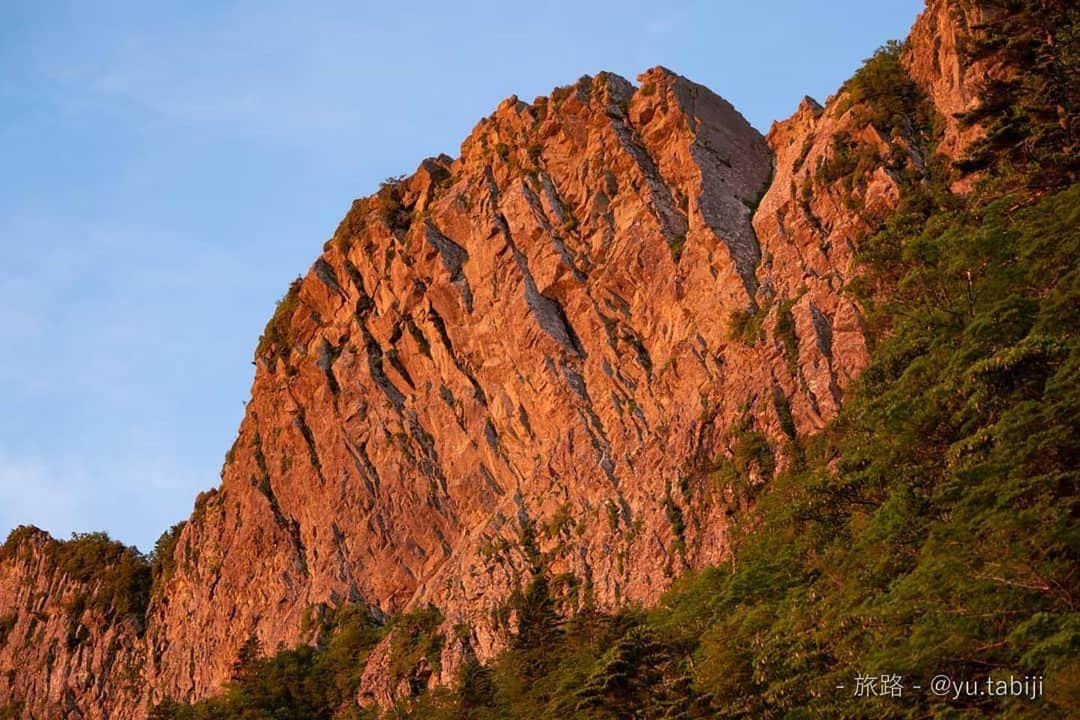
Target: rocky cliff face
{"x":936,"y":60}
{"x":70,"y":636}
{"x":611,"y":292}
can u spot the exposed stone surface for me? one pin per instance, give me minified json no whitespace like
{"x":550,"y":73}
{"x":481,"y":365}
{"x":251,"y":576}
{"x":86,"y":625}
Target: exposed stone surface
{"x":59,"y":656}
{"x":942,"y":58}
{"x":935,"y":59}
{"x":538,"y":330}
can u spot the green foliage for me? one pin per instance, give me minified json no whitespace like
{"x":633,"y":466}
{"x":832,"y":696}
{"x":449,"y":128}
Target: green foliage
{"x":640,"y":677}
{"x":678,"y":245}
{"x":114,"y":580}
{"x":594,"y":666}
{"x":297,"y":684}
{"x":848,"y":161}
{"x":881,"y":96}
{"x":162,"y":559}
{"x":246,"y":663}
{"x":19,"y":538}
{"x":279,"y":336}
{"x":750,"y":454}
{"x":932,"y":528}
{"x":415,"y":635}
{"x":475,"y":690}
{"x":747,"y":326}
{"x":388,"y":203}
{"x":1030,"y":115}
{"x":117,"y":576}
{"x":537,"y":616}
{"x":884,"y":95}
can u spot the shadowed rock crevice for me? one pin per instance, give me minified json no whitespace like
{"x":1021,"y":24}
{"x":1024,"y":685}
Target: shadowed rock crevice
{"x":376,"y":357}
{"x":547,"y":312}
{"x":453,"y":257}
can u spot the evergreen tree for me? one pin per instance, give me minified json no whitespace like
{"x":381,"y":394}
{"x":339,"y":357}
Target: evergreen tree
{"x":249,"y":653}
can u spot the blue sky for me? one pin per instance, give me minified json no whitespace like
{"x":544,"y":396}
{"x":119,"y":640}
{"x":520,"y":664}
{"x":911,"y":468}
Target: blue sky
{"x":166,"y":168}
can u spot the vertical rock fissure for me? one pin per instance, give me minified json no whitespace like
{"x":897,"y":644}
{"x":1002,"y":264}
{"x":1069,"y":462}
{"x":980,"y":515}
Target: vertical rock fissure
{"x":547,"y":312}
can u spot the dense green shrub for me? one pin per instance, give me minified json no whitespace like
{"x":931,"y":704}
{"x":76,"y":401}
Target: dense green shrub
{"x":884,"y":95}
{"x":848,"y":162}
{"x":747,"y":326}
{"x":278,"y":337}
{"x":302,"y":683}
{"x":162,"y":559}
{"x":415,"y":635}
{"x":1031,"y":116}
{"x":111,"y":579}
{"x":118,"y":577}
{"x":388,"y":205}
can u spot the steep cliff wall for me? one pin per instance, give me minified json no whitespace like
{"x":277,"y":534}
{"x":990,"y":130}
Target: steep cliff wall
{"x":937,"y":60}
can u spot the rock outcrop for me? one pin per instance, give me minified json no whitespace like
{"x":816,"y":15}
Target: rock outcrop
{"x":936,"y":61}
{"x":71,"y":628}
{"x":567,"y":328}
